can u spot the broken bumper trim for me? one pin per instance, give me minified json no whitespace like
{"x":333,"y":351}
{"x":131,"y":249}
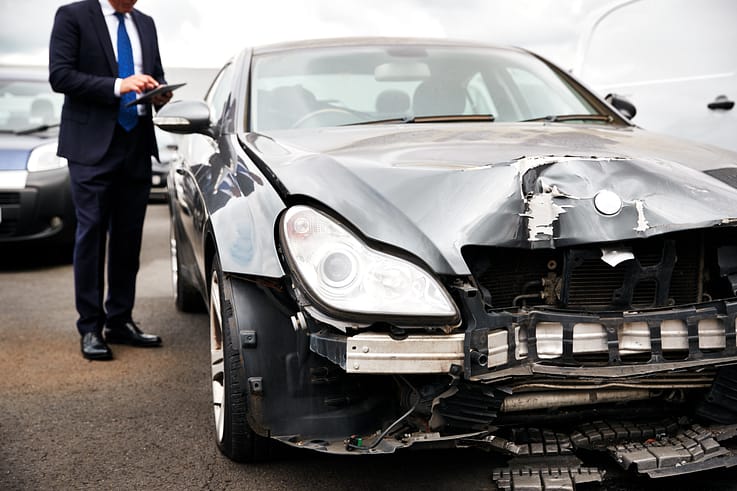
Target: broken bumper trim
{"x":379,"y":353}
{"x":606,"y":345}
{"x":500,"y":345}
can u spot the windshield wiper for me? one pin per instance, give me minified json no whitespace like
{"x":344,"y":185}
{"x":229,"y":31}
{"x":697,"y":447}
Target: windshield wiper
{"x":36,"y":129}
{"x":572,"y":117}
{"x":450,"y":118}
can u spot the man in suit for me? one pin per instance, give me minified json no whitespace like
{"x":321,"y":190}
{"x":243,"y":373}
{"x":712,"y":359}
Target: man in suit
{"x":102,"y":53}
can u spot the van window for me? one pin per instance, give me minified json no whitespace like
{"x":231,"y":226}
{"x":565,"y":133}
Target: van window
{"x":657,"y":40}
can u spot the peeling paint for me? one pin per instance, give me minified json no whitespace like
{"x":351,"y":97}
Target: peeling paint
{"x":642,"y":224}
{"x":541,"y":210}
{"x":541,"y":213}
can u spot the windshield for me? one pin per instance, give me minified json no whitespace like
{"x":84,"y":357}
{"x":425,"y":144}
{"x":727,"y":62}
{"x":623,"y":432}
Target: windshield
{"x":28,"y":104}
{"x":350,"y":85}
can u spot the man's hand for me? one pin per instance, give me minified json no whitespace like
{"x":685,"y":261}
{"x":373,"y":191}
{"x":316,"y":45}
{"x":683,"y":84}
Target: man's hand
{"x":161,"y":99}
{"x":138,"y":84}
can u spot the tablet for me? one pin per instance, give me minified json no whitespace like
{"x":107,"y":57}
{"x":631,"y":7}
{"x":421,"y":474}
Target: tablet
{"x":146,"y":96}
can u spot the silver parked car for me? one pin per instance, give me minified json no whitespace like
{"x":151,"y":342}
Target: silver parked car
{"x":35,"y":196}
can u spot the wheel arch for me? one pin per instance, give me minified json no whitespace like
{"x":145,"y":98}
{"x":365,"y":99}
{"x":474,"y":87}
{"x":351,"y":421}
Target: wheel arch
{"x":284,"y":395}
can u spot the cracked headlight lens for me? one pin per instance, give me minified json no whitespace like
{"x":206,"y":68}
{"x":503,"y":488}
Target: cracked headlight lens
{"x":342,"y":273}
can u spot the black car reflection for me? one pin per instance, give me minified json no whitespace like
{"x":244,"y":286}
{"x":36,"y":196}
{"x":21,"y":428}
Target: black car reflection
{"x":410,"y":242}
{"x":160,"y":167}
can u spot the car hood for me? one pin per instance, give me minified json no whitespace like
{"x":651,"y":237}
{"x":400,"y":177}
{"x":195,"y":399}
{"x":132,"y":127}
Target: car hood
{"x":431,"y":189}
{"x":15,"y":149}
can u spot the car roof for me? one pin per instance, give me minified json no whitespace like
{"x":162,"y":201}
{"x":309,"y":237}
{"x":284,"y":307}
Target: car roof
{"x":373,"y":41}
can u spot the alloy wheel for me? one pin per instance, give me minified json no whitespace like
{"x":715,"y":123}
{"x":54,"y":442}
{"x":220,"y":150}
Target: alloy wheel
{"x":216,"y":357}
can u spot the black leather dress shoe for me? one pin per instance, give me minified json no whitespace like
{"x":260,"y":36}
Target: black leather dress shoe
{"x":129,"y":333}
{"x":94,"y":347}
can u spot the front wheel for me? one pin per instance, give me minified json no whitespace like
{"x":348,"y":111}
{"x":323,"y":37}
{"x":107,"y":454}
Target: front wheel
{"x":235,"y":438}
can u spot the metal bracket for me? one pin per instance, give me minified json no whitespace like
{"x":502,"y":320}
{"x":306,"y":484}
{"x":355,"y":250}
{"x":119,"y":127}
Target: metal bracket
{"x":248,"y":339}
{"x":256,"y":385}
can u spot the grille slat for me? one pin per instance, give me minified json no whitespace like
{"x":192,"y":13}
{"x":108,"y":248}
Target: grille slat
{"x":9,"y":199}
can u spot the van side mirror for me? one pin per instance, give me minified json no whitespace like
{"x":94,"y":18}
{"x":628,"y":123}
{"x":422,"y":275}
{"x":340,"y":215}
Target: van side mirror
{"x":625,"y":107}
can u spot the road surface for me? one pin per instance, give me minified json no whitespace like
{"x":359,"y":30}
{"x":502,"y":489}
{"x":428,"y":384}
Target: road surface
{"x":143,"y":420}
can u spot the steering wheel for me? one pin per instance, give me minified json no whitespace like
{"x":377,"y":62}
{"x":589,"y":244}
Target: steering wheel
{"x":320,"y":112}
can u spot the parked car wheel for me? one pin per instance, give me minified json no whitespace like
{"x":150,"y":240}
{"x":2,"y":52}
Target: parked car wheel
{"x":235,"y":438}
{"x":186,"y":296}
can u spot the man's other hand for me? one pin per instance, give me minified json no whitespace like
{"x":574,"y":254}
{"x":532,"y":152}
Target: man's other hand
{"x":138,"y":84}
{"x":161,"y":99}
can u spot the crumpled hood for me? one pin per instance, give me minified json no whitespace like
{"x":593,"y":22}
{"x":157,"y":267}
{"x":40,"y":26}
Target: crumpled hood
{"x":432,"y":189}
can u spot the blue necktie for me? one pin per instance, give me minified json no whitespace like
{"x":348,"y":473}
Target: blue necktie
{"x":127,"y":116}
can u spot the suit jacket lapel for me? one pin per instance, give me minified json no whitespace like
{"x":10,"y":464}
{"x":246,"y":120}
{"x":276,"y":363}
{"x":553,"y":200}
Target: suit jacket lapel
{"x":98,"y":22}
{"x":146,"y":45}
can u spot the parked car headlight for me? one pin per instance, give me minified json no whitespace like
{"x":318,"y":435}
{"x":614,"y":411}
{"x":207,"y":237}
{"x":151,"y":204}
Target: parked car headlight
{"x":342,"y":273}
{"x":44,"y":158}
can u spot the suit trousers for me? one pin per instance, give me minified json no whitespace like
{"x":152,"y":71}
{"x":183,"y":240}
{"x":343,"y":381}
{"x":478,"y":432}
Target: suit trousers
{"x":110,"y":198}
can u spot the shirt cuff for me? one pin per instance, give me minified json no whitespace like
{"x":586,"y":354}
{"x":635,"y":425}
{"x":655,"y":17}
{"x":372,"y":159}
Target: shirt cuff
{"x":116,"y":88}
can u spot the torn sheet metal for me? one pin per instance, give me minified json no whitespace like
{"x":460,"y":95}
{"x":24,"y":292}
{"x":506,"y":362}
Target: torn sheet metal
{"x":541,"y":212}
{"x":366,"y":168}
{"x":642,"y":224}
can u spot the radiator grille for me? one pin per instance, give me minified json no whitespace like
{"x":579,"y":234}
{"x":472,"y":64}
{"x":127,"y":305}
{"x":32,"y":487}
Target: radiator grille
{"x":514,"y":277}
{"x":9,"y":198}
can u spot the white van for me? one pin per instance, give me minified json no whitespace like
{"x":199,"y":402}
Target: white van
{"x":675,"y":60}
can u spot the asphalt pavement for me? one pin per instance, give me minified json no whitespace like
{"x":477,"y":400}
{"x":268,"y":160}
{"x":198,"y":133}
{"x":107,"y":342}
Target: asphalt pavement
{"x":143,"y":420}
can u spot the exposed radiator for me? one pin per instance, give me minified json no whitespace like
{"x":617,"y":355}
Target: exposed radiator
{"x":673,"y":269}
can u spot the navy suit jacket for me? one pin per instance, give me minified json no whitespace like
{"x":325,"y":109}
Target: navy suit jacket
{"x":82,"y":66}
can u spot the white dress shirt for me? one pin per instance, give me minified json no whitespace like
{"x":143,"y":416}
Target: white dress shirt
{"x":112,"y":26}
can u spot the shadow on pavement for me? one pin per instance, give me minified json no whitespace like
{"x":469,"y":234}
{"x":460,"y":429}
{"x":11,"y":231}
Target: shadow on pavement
{"x":29,"y":257}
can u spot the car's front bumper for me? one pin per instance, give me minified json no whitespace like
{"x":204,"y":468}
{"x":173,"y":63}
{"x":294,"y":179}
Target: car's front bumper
{"x":498,"y":345}
{"x":43,"y":209}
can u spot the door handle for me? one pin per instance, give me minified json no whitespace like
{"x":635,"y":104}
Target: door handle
{"x":721,"y":102}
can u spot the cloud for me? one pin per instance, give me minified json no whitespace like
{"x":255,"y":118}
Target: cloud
{"x":195,"y":33}
{"x":210,"y":35}
{"x":24,"y":30}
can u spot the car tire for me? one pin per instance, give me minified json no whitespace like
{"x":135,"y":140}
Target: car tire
{"x":186,"y":296}
{"x":235,"y":438}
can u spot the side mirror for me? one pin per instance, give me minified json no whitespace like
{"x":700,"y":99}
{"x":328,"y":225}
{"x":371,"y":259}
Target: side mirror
{"x":625,"y":107}
{"x":185,"y":117}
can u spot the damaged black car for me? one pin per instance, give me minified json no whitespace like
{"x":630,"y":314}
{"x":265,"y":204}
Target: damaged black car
{"x":406,"y":243}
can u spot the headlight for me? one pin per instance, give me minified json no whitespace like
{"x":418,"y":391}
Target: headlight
{"x":45,"y":158}
{"x":340,"y":272}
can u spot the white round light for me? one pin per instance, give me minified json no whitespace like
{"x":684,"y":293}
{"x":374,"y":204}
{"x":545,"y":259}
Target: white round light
{"x":607,"y":203}
{"x":338,"y":269}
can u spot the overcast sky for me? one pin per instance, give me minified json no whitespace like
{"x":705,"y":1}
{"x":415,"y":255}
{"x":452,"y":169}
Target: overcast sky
{"x":200,"y":33}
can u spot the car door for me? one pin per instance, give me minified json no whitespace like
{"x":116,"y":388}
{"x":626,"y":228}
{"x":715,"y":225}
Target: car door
{"x":198,"y":171}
